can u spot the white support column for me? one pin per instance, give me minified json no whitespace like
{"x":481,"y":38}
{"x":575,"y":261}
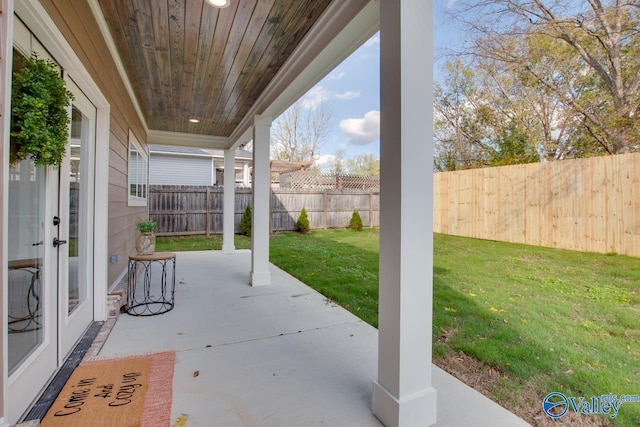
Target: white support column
{"x":245,"y":174}
{"x":229,"y":205}
{"x":403,"y":394}
{"x":260,"y":207}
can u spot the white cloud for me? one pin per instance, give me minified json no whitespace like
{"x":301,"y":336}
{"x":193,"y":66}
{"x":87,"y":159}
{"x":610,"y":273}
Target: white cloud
{"x":362,"y":131}
{"x":347,"y":95}
{"x":373,"y":40}
{"x":336,"y":75}
{"x":314,"y":97}
{"x":324,"y":161}
{"x":319,"y":94}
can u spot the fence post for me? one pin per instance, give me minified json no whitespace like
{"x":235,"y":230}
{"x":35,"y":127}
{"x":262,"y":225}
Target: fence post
{"x":324,"y":209}
{"x":370,"y":208}
{"x":208,"y":210}
{"x":173,"y":206}
{"x":270,"y":210}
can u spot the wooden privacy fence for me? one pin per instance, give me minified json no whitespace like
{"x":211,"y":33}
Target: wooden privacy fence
{"x":191,"y":210}
{"x":588,"y":205}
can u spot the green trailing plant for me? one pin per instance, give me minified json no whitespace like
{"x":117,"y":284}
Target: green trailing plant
{"x":146,"y":225}
{"x":302,"y":224}
{"x":356,"y":221}
{"x":39,"y":116}
{"x":245,"y":222}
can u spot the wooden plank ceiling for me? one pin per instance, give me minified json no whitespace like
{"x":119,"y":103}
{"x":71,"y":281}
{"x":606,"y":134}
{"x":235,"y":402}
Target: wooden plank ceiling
{"x":186,"y":59}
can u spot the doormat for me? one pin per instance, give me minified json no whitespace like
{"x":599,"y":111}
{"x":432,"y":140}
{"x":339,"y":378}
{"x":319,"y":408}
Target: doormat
{"x":128,"y":392}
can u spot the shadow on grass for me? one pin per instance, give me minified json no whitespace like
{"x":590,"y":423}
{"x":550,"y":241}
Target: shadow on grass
{"x":346,"y":270}
{"x":342,"y":266}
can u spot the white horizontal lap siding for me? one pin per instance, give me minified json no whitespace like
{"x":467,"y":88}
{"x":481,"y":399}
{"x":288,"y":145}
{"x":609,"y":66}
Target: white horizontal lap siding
{"x":179,"y":170}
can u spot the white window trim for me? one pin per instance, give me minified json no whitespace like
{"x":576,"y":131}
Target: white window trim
{"x":136,"y":200}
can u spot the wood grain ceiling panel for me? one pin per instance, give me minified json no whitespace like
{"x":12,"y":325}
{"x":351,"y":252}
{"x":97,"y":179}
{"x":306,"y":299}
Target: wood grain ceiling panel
{"x":186,"y":59}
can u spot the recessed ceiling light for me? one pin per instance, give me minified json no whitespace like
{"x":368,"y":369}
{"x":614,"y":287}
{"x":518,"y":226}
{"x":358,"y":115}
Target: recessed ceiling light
{"x":194,"y":120}
{"x":219,"y":3}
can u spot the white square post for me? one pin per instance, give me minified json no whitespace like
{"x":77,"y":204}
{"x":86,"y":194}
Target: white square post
{"x":403,"y":394}
{"x":245,"y":175}
{"x":229,"y":205}
{"x":260,"y":207}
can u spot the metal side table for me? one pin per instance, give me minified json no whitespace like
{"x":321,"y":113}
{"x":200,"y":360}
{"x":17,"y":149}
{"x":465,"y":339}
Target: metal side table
{"x":29,"y":320}
{"x":151,"y":284}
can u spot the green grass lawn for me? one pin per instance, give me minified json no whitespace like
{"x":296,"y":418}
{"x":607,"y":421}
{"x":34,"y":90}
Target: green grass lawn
{"x":522,"y":321}
{"x":198,"y":243}
{"x":340,"y":264}
{"x":550,"y":320}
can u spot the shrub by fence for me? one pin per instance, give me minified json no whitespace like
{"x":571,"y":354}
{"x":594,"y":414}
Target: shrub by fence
{"x":190,"y":210}
{"x":588,"y":205}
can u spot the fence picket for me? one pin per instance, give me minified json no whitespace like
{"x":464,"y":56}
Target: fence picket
{"x":193,"y":210}
{"x":584,"y":204}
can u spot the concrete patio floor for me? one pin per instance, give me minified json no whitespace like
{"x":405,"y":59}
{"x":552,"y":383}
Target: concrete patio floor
{"x":278,"y":355}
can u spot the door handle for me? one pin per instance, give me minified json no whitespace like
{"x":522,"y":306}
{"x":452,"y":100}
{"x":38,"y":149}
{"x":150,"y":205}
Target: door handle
{"x":57,"y":242}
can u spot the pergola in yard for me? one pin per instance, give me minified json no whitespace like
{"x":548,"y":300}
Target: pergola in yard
{"x":235,"y":69}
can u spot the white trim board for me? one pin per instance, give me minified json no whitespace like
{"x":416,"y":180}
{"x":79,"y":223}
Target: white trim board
{"x":40,"y":23}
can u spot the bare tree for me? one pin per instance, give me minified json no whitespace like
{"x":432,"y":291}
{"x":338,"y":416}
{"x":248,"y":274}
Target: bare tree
{"x":461,"y":116}
{"x":364,"y":164}
{"x":300,"y":132}
{"x":585,"y":52}
{"x":548,"y":125}
{"x":339,"y":161}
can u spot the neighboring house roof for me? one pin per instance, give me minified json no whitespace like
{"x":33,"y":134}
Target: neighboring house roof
{"x":153,"y":148}
{"x":244,"y":154}
{"x":188,"y":151}
{"x":282,"y":166}
{"x":177,"y":165}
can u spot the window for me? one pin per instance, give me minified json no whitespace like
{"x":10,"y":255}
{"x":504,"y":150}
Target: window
{"x":138,"y":172}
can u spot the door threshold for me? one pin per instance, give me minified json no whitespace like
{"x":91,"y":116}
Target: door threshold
{"x":50,"y":393}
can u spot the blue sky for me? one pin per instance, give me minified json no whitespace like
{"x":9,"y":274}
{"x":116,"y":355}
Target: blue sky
{"x":352,"y":92}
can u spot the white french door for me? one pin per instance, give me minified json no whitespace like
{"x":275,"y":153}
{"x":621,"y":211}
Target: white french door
{"x":31,"y":292}
{"x":32,"y":296}
{"x":75,"y":224}
{"x":50,"y":299}
{"x":51,"y":258}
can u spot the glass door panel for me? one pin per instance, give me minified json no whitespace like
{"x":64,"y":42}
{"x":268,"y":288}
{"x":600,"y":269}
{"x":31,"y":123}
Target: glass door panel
{"x":26,"y":299}
{"x":76,"y":293}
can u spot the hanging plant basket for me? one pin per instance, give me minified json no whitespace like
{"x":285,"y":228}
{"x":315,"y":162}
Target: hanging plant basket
{"x":39,"y":115}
